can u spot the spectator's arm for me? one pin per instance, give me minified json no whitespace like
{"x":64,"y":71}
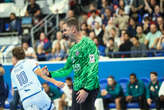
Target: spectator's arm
{"x":161,"y":6}
{"x":2,"y":71}
{"x":159,"y":46}
{"x":155,"y":43}
{"x":161,"y":90}
{"x":147,"y":7}
{"x":37,"y":13}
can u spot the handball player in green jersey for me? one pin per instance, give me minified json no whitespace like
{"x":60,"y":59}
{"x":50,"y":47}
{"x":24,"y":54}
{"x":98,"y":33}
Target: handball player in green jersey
{"x":83,"y":60}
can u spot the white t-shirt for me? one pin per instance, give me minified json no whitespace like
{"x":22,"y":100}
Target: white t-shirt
{"x":24,"y":79}
{"x":30,"y":50}
{"x":68,"y":93}
{"x":161,"y":91}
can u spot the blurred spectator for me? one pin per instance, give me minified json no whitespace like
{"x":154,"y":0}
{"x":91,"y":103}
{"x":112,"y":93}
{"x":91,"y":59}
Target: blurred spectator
{"x":61,"y":23}
{"x":153,"y":90}
{"x":84,"y":27}
{"x":132,"y":27}
{"x":160,"y":23}
{"x":1,"y":26}
{"x":70,"y":13}
{"x":92,"y":35}
{"x":3,"y":89}
{"x":160,"y":44}
{"x":151,"y":37}
{"x":92,"y":6}
{"x":128,"y":4}
{"x":113,"y":93}
{"x":59,"y":38}
{"x":138,"y":49}
{"x":111,"y":33}
{"x":122,"y":5}
{"x":57,"y":54}
{"x":43,"y":40}
{"x":92,"y":19}
{"x":150,"y":6}
{"x":136,"y":92}
{"x":106,"y":16}
{"x":105,"y":5}
{"x":126,"y":43}
{"x":83,"y":18}
{"x":156,"y":13}
{"x":66,"y":99}
{"x":121,"y":20}
{"x":33,"y":10}
{"x":140,"y":34}
{"x":137,"y":7}
{"x":101,"y":48}
{"x":15,"y":24}
{"x":29,"y":51}
{"x":41,"y":56}
{"x":111,"y":47}
{"x":99,"y":33}
{"x":54,"y":94}
{"x":146,"y":25}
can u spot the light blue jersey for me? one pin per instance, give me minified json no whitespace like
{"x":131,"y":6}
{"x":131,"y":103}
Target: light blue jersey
{"x":26,"y":82}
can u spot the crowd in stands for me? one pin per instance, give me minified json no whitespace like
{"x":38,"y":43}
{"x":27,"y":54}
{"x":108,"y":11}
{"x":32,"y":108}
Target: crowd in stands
{"x":132,"y":27}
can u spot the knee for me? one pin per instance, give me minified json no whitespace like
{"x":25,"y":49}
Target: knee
{"x":117,"y":101}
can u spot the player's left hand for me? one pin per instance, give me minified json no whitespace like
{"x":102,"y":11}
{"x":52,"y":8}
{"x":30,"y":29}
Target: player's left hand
{"x":45,"y":70}
{"x":82,"y":95}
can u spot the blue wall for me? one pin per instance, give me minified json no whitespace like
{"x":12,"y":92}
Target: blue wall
{"x":117,"y":68}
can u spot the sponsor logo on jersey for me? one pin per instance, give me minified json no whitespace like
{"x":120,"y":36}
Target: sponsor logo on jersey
{"x":91,"y":58}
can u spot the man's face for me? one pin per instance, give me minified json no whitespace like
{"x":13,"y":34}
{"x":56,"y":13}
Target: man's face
{"x":110,"y":81}
{"x":134,"y":41}
{"x":132,"y":79}
{"x":153,"y":77}
{"x":25,"y":46}
{"x":68,"y":32}
{"x":59,"y":35}
{"x":159,"y":20}
{"x":153,"y":28}
{"x":69,"y":83}
{"x":32,"y":1}
{"x":12,"y":17}
{"x":46,"y":87}
{"x":139,"y":29}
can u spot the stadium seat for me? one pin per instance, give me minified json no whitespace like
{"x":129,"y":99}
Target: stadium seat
{"x":145,"y":81}
{"x":103,"y":83}
{"x":161,"y":79}
{"x":123,"y":82}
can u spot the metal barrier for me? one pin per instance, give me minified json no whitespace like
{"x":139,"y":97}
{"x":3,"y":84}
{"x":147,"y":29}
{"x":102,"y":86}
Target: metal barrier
{"x":44,"y":24}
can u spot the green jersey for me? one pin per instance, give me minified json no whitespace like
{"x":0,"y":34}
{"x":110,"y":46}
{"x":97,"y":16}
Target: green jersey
{"x":83,"y":59}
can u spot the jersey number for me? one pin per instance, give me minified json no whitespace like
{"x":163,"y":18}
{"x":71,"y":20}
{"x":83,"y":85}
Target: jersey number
{"x":22,"y":78}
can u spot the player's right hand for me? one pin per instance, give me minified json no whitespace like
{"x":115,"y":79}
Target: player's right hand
{"x":59,"y":84}
{"x":45,"y":71}
{"x":104,"y":92}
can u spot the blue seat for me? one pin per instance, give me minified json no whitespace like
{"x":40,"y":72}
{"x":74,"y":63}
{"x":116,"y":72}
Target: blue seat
{"x":103,"y":83}
{"x":123,"y":82}
{"x":161,"y":79}
{"x":145,"y":81}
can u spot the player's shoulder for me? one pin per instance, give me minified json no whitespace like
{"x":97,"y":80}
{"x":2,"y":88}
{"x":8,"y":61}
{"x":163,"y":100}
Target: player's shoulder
{"x":88,"y":40}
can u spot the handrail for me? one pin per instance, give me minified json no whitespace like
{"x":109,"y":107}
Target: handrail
{"x":44,"y":24}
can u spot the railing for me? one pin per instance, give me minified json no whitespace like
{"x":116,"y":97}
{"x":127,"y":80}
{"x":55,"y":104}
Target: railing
{"x":6,"y":59}
{"x":44,"y":24}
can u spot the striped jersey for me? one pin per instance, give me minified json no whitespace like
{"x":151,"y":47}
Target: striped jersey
{"x":83,"y":60}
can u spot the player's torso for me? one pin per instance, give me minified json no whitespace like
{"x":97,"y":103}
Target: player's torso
{"x":25,"y":79}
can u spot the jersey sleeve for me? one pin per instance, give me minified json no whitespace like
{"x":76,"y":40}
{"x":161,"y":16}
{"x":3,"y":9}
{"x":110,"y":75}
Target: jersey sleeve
{"x":35,"y":65}
{"x":65,"y":71}
{"x":91,"y":68}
